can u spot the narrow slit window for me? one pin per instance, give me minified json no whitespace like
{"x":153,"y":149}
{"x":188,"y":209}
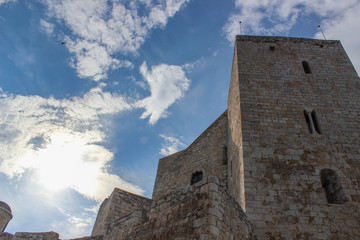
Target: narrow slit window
{"x":312,"y":122}
{"x":224,"y":156}
{"x":306,"y":67}
{"x":196,"y":177}
{"x":316,"y":122}
{"x":332,"y":187}
{"x":308,"y":121}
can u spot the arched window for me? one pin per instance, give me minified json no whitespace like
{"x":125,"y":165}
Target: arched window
{"x":196,"y":177}
{"x":332,"y":186}
{"x":306,"y":67}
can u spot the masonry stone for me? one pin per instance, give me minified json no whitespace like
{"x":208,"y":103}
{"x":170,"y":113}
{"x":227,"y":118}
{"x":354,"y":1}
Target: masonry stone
{"x":282,"y":162}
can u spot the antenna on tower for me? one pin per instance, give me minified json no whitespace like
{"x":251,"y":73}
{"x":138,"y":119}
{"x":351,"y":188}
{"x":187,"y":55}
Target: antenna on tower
{"x":240,"y":28}
{"x":321,"y":32}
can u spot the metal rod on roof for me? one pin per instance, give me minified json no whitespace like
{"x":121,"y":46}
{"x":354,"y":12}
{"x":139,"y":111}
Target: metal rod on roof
{"x":240,"y":28}
{"x":322,"y":32}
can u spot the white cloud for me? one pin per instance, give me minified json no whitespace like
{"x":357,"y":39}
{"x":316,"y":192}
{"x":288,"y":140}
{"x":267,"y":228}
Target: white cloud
{"x":6,"y":1}
{"x":47,"y":27}
{"x":191,"y":65}
{"x":58,"y":139}
{"x":167,"y":84}
{"x":102,"y":29}
{"x":171,"y":145}
{"x":74,"y":225}
{"x":342,"y":27}
{"x":276,"y":17}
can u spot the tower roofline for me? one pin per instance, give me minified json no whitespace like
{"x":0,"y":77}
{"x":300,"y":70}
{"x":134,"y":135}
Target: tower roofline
{"x":274,"y":39}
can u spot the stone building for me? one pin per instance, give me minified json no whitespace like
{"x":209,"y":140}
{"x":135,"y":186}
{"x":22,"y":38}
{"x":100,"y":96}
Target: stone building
{"x":282,"y":162}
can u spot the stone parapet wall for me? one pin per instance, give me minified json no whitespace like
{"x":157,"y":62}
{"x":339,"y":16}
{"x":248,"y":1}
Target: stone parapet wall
{"x":33,"y":236}
{"x":205,"y":154}
{"x":119,"y":204}
{"x":6,"y":236}
{"x":202,"y":211}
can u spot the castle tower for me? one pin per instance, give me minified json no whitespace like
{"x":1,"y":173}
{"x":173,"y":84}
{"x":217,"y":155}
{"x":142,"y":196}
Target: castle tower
{"x":5,"y":215}
{"x":281,"y":163}
{"x":293,"y":140}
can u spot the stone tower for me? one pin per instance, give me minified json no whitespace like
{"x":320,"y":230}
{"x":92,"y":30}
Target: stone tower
{"x":5,"y":215}
{"x":293,"y":138}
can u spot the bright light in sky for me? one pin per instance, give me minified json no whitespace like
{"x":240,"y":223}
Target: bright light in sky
{"x":94,"y":92}
{"x":62,"y":164}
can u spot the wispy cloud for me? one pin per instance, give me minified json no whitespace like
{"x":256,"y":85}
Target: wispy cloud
{"x":338,"y":19}
{"x":342,"y":27}
{"x":56,"y":138}
{"x":102,"y":29}
{"x":47,"y":27}
{"x":167,"y":84}
{"x":171,"y":145}
{"x":5,"y":1}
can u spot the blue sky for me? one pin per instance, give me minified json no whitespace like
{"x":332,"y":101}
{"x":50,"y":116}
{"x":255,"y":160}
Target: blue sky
{"x":94,"y":92}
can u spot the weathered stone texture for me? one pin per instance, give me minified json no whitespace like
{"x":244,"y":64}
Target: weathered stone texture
{"x":5,"y":215}
{"x":119,"y":204}
{"x":235,"y":165}
{"x":202,"y":211}
{"x":6,"y":236}
{"x":205,"y":154}
{"x":282,"y":160}
{"x":36,"y":236}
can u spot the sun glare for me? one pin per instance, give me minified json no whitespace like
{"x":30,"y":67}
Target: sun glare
{"x":65,"y":163}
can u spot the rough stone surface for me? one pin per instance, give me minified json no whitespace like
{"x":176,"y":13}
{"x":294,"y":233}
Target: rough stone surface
{"x":205,"y":154}
{"x":36,"y":236}
{"x":284,"y":197}
{"x":202,"y":211}
{"x":5,"y":215}
{"x":119,"y":204}
{"x":281,"y":163}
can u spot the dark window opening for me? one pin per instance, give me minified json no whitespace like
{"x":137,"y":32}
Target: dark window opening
{"x":332,"y":187}
{"x":306,"y":67}
{"x":312,"y":122}
{"x":308,"y":121}
{"x":316,"y":122}
{"x":196,"y":177}
{"x":224,"y":156}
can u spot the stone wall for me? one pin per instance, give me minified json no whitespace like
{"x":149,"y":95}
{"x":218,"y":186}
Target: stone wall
{"x":5,"y":215}
{"x":235,"y":152}
{"x":203,"y":211}
{"x":282,"y":159}
{"x":119,"y":204}
{"x":30,"y":236}
{"x":205,"y":154}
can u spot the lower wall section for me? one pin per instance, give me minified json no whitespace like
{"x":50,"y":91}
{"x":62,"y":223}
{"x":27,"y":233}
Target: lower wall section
{"x":119,"y":204}
{"x":203,"y":211}
{"x":30,"y":236}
